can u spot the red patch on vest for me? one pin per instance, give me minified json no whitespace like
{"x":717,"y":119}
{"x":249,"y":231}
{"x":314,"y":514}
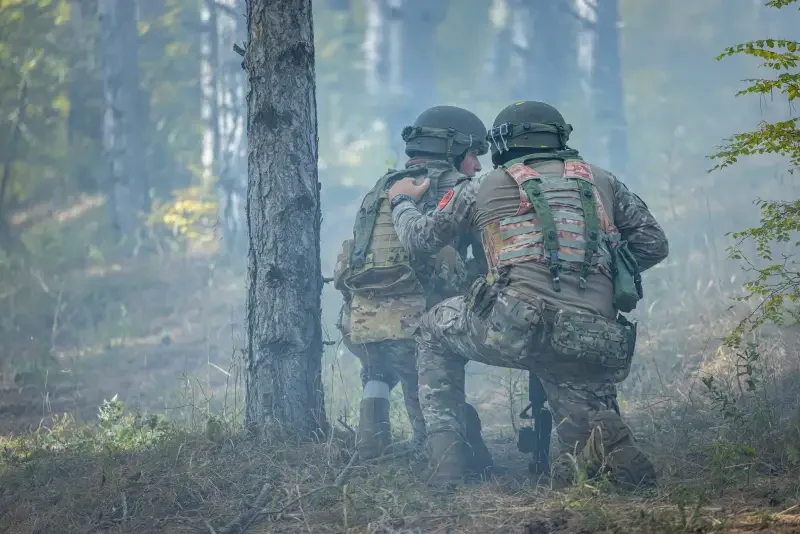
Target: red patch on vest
{"x":446,"y":199}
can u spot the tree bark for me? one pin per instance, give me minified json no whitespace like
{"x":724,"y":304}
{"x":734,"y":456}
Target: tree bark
{"x":284,"y":281}
{"x":125,"y":114}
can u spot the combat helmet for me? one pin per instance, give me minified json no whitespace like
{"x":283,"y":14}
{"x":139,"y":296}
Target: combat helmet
{"x":447,"y":132}
{"x":527,"y":125}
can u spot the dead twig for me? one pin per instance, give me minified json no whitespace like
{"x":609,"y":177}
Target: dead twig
{"x":244,"y":519}
{"x":341,"y":480}
{"x":248,"y":517}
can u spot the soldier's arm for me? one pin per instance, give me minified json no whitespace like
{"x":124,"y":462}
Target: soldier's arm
{"x":646,"y":239}
{"x":432,"y":232}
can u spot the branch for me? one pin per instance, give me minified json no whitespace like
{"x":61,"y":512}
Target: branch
{"x":244,"y":519}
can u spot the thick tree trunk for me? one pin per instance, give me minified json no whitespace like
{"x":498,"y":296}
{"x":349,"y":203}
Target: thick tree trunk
{"x":410,"y":43}
{"x":284,"y":282}
{"x":125,"y":114}
{"x":608,"y":89}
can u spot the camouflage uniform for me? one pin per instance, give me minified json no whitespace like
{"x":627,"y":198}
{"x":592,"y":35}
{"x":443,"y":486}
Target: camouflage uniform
{"x":393,"y":320}
{"x":516,"y":328}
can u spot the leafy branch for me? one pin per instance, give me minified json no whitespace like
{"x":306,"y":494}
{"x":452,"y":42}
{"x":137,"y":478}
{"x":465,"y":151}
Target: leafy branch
{"x":776,"y":285}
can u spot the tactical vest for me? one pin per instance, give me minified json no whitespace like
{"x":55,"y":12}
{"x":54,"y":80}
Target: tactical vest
{"x":561,"y":222}
{"x":377,"y":264}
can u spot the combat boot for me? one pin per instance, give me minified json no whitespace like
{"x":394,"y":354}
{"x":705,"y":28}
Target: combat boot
{"x":450,"y":459}
{"x":374,"y":430}
{"x":611,"y":445}
{"x":482,"y":462}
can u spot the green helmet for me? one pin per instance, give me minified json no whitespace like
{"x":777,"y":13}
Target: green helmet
{"x":446,"y":131}
{"x":527,"y":124}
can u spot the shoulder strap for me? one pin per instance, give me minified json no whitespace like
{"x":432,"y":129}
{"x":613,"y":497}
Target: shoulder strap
{"x":582,"y":173}
{"x":521,"y":173}
{"x":436,"y":171}
{"x":369,"y":210}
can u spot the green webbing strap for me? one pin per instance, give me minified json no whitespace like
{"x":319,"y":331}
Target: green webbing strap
{"x":591,"y":231}
{"x":536,"y":197}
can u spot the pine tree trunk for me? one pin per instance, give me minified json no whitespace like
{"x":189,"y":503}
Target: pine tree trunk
{"x":498,"y":57}
{"x":284,"y":283}
{"x":608,"y":89}
{"x":232,"y":182}
{"x":374,"y":46}
{"x":214,"y":63}
{"x":553,"y":55}
{"x":125,"y":114}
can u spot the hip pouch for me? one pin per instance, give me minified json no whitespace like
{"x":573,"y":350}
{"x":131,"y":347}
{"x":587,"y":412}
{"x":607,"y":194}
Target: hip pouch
{"x":511,"y":323}
{"x":594,"y":340}
{"x":627,"y":278}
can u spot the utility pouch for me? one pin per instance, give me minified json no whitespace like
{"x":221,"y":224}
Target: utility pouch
{"x":511,"y":323}
{"x":627,"y":278}
{"x":594,"y":340}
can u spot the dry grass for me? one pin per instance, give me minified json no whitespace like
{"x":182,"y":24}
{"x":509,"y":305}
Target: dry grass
{"x":199,"y":482}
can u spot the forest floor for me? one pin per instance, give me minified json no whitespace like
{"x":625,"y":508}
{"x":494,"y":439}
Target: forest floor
{"x":205,"y":482}
{"x":169,"y":351}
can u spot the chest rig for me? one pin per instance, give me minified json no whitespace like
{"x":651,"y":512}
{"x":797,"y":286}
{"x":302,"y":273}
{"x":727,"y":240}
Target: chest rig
{"x":561,"y":222}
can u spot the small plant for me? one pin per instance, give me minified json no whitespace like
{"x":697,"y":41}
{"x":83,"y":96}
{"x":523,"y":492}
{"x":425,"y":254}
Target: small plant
{"x":747,"y":377}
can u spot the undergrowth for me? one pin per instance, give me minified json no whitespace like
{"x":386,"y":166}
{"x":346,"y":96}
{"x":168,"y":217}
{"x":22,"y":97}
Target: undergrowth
{"x":130,"y":472}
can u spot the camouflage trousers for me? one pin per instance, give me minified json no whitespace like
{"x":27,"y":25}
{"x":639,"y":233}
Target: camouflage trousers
{"x":393,"y":362}
{"x":450,"y":334}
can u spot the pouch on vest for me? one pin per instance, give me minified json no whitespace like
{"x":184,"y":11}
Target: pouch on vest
{"x":386,"y":318}
{"x":594,"y":340}
{"x":379,"y":265}
{"x":627,"y":278}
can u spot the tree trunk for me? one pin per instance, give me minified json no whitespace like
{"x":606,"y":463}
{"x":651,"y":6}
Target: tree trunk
{"x":85,"y":93}
{"x":374,"y":46}
{"x":232,"y":182}
{"x":410,"y":45}
{"x":520,"y":34}
{"x":124,"y":115}
{"x":210,"y":89}
{"x":552,"y":58}
{"x":498,"y":56}
{"x":608,"y":90}
{"x":284,"y":281}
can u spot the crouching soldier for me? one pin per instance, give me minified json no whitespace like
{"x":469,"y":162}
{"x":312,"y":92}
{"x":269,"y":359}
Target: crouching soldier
{"x":566,"y":243}
{"x":386,"y":290}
